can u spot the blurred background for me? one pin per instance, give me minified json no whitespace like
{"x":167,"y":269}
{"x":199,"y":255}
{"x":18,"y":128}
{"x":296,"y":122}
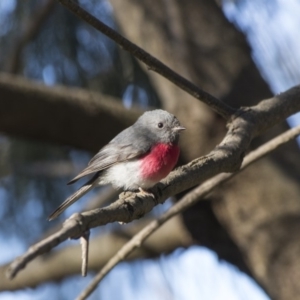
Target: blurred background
{"x":66,"y":90}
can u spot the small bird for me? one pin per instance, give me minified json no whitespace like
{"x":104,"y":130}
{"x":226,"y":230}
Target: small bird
{"x":136,"y":159}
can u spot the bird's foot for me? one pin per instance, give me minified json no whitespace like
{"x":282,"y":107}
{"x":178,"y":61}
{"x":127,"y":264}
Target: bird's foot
{"x":146,"y":193}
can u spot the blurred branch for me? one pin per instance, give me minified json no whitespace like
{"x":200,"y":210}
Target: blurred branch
{"x":153,"y":64}
{"x":48,"y":267}
{"x":81,"y":117}
{"x":226,"y":157}
{"x":188,"y":200}
{"x":53,"y":169}
{"x":85,"y":243}
{"x":31,"y":30}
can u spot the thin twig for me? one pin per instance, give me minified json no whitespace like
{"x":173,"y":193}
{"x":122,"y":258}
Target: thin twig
{"x":84,"y":241}
{"x":188,"y":200}
{"x":153,"y":64}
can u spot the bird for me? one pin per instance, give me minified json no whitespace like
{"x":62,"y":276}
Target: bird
{"x":136,"y":159}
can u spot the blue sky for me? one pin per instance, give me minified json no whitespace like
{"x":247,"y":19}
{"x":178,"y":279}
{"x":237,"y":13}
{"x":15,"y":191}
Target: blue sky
{"x":271,"y":30}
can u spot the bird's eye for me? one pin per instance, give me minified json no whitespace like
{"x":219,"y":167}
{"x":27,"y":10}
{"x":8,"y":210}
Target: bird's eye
{"x":160,"y":125}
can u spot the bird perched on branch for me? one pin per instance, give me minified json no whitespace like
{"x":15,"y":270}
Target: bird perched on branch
{"x":136,"y":159}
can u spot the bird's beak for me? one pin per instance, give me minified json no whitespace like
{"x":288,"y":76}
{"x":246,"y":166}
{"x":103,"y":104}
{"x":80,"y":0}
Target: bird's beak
{"x":178,"y":128}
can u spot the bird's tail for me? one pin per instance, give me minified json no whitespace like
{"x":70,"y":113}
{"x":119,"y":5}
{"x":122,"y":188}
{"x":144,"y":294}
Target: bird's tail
{"x":73,"y":198}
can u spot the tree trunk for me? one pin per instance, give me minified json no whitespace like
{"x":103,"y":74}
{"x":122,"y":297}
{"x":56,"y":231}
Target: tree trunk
{"x":260,"y":208}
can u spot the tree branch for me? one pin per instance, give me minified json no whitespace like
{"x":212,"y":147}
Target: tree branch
{"x":77,"y":113}
{"x":226,"y":157}
{"x":48,"y":267}
{"x":84,"y":241}
{"x":153,"y":64}
{"x":188,"y":200}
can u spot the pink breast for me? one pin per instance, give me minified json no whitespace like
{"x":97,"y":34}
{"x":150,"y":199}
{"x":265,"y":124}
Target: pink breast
{"x":157,"y":164}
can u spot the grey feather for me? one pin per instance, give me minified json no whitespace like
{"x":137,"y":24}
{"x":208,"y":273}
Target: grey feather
{"x":118,"y":150}
{"x":74,"y":197}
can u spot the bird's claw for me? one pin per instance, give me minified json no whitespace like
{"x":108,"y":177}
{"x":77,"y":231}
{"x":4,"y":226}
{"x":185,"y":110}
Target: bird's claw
{"x":146,"y":193}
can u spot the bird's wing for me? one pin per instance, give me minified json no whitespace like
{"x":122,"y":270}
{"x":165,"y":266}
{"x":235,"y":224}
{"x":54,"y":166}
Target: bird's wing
{"x":118,"y":150}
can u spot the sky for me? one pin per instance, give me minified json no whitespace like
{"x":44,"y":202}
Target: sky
{"x":271,"y":28}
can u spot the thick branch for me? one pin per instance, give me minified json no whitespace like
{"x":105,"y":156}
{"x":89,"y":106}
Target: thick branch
{"x":226,"y":157}
{"x":154,"y":64}
{"x":190,"y":199}
{"x":62,"y":115}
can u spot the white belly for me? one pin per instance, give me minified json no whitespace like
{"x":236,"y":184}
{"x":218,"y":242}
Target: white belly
{"x":126,"y":175}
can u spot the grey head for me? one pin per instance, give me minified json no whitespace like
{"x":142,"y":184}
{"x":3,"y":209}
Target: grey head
{"x":159,"y":126}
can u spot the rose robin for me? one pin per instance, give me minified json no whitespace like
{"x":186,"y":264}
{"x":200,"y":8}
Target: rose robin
{"x":137,"y":158}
